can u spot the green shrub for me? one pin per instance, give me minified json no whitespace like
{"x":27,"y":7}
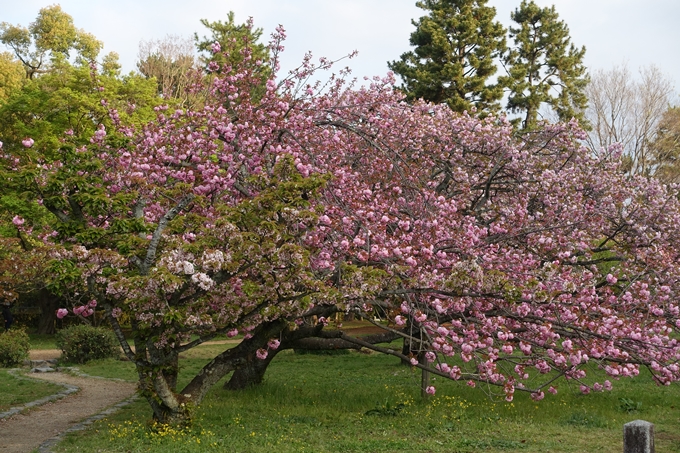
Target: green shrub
{"x":14,"y":347}
{"x":83,"y":343}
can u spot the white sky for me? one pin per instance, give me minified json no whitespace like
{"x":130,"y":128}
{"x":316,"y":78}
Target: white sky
{"x":640,"y":32}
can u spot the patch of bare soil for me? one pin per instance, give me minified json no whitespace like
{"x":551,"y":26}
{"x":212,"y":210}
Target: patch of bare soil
{"x":365,"y":330}
{"x":44,"y":354}
{"x":47,"y":354}
{"x":25,"y":432}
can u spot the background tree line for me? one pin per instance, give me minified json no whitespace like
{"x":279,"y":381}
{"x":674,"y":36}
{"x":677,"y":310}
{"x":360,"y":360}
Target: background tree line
{"x":461,"y":57}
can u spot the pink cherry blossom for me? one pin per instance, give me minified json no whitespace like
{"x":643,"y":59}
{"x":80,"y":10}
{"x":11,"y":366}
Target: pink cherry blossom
{"x":537,"y":396}
{"x":484,"y":241}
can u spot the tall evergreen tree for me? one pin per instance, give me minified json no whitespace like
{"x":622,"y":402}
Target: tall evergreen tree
{"x":455,"y":46}
{"x":232,"y":38}
{"x":544,"y":67}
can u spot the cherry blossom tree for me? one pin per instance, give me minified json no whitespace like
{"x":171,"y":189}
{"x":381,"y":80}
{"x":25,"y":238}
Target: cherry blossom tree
{"x":511,"y":261}
{"x":20,"y":270}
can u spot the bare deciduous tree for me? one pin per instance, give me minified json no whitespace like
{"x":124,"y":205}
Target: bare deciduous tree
{"x":627,"y":110}
{"x":170,"y":60}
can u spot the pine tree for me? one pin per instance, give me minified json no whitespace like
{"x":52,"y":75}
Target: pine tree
{"x":544,"y":67}
{"x":455,"y":46}
{"x":232,"y":38}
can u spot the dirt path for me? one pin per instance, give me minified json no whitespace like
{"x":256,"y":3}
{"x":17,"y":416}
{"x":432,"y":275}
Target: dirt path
{"x":25,"y":432}
{"x":44,"y":354}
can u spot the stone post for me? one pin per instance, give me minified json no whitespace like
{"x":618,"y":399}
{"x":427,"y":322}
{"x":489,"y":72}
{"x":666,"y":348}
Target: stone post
{"x":638,"y":437}
{"x":425,"y":378}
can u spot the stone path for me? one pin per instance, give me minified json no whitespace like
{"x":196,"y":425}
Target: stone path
{"x":41,"y":428}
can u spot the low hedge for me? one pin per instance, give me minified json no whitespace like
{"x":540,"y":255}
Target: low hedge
{"x":14,"y":347}
{"x":82,"y":343}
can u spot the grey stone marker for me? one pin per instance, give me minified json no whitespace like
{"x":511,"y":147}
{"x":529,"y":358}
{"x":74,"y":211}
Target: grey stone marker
{"x":638,"y":437}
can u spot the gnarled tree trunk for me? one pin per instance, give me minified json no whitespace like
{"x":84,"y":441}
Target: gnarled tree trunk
{"x":307,"y":338}
{"x":48,"y":307}
{"x":251,"y":372}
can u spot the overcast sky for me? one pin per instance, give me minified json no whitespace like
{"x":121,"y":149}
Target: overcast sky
{"x":639,"y":32}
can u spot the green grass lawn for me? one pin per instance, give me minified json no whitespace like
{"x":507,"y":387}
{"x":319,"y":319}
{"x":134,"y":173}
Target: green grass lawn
{"x":370,"y":403}
{"x":15,"y":392}
{"x":39,"y":341}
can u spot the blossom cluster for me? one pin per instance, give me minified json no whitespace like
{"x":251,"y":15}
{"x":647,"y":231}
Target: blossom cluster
{"x":524,"y":256}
